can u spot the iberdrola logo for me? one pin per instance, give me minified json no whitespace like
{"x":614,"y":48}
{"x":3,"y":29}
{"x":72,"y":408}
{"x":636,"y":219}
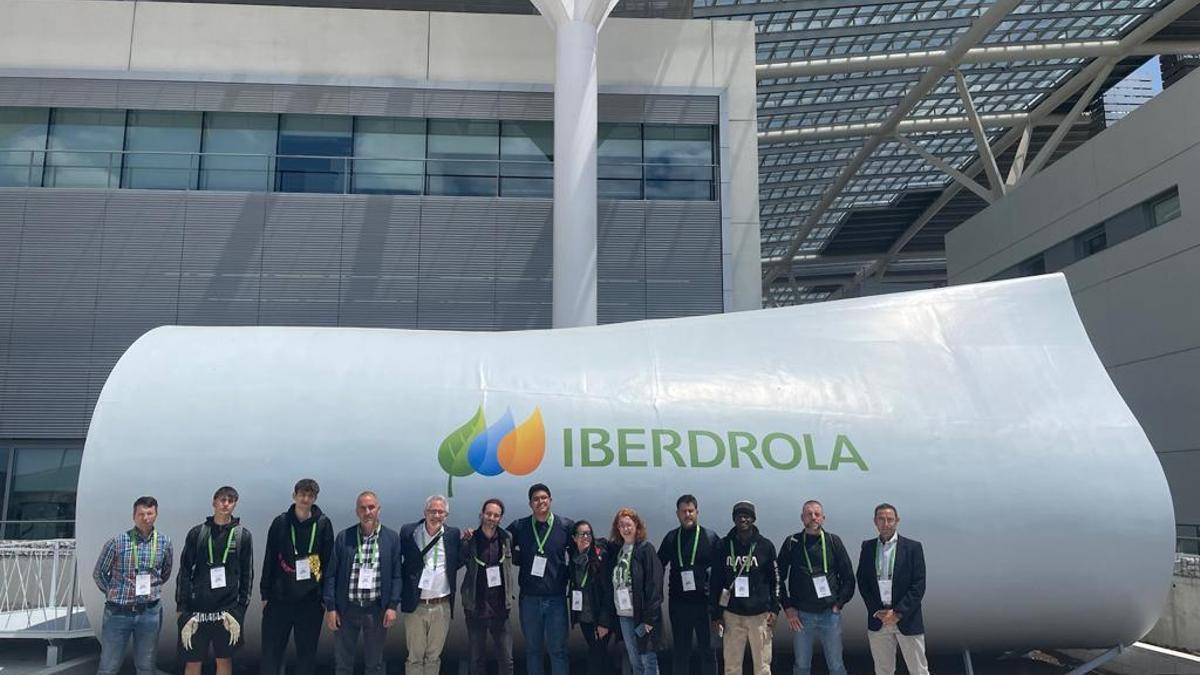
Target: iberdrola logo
{"x":489,"y":451}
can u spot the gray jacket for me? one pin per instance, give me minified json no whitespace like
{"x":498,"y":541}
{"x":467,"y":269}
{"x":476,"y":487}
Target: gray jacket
{"x":471,"y":570}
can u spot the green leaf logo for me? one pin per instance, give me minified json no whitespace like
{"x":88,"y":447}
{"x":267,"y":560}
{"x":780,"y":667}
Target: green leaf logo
{"x":452,"y":453}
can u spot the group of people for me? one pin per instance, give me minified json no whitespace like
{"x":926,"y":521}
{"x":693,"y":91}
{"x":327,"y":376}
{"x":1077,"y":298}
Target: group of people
{"x":559,"y":572}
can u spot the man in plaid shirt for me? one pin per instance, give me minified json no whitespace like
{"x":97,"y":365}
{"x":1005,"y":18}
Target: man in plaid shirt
{"x":130,"y":572}
{"x":362,"y":587}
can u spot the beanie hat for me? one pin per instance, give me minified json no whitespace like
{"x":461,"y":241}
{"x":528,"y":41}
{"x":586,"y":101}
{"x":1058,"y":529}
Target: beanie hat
{"x":744,"y":507}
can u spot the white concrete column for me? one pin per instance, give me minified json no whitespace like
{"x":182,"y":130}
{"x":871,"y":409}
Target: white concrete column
{"x":577,"y":27}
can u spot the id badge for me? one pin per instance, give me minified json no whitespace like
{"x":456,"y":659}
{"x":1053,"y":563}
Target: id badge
{"x":141,"y":583}
{"x":303,"y":570}
{"x":624,"y":599}
{"x":723,"y":601}
{"x":688,"y":577}
{"x":741,"y":587}
{"x":426,"y":581}
{"x":366,"y":578}
{"x":576,"y":601}
{"x":216,"y":577}
{"x":885,"y":591}
{"x":539,"y":566}
{"x":821,"y":585}
{"x":493,"y":576}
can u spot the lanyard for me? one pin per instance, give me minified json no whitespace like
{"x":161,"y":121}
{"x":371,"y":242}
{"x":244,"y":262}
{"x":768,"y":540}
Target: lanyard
{"x":587,"y":569}
{"x":679,"y":547}
{"x":879,"y":564}
{"x":359,"y":554}
{"x":624,"y":567}
{"x":541,"y":541}
{"x":824,"y":553}
{"x":312,"y":538}
{"x":425,"y":538}
{"x":133,"y":536}
{"x":749,"y":557}
{"x":228,"y":545}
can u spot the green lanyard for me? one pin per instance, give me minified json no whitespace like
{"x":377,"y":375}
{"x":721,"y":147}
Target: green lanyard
{"x":425,"y":538}
{"x":228,"y":545}
{"x":624,"y":563}
{"x":587,"y":569}
{"x":824,"y":553}
{"x":679,"y":547}
{"x":133,"y":537}
{"x":749,"y":557}
{"x":541,"y":541}
{"x":312,"y":538}
{"x":879,"y":564}
{"x":359,"y":556}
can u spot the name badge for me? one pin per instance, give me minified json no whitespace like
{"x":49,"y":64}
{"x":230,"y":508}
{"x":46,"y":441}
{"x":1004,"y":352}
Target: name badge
{"x":426,"y":581}
{"x":303,"y":570}
{"x":216,"y":577}
{"x":741,"y":587}
{"x":493,"y":576}
{"x":141,"y":583}
{"x":885,"y":591}
{"x":366,"y":578}
{"x":821,"y":584}
{"x":688,"y":577}
{"x":576,"y":601}
{"x":539,"y":566}
{"x":723,"y":601}
{"x":624,"y":599}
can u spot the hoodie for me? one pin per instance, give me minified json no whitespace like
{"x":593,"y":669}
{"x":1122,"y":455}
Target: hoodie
{"x":732,"y":559}
{"x":192,"y":591}
{"x":279,"y":559}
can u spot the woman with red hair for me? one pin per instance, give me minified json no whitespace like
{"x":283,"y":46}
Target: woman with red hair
{"x":637,"y":576}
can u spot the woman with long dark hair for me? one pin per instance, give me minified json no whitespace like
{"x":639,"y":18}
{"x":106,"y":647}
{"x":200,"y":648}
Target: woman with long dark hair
{"x":589,"y":597}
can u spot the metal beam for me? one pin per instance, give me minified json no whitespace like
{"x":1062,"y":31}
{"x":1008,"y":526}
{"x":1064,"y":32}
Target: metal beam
{"x":984,"y":25}
{"x":911,"y":125}
{"x":1018,"y":163}
{"x":1060,"y":132}
{"x":966,"y":181}
{"x":1084,"y":49}
{"x":981,"y":139}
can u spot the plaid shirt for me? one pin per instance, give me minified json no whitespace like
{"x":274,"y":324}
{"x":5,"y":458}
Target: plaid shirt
{"x":116,"y":571}
{"x":367,"y":556}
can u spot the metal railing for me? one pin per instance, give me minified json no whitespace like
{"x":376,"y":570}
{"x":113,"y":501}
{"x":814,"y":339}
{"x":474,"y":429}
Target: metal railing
{"x":249,"y":172}
{"x":1187,"y":539}
{"x":39,"y":590}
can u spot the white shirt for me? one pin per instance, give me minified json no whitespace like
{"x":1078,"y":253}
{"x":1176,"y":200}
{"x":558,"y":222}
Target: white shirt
{"x":435,"y":560}
{"x":887,"y":553}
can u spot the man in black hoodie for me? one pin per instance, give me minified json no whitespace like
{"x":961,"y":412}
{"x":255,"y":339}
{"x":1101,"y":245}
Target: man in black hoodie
{"x":689,"y":550}
{"x":212,"y":591}
{"x":744,"y":596}
{"x":820,"y":581}
{"x":299,"y":544}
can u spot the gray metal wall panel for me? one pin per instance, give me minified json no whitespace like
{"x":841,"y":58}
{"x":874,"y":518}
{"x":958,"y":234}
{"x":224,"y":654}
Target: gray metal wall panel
{"x":458,"y":264}
{"x":156,"y":95}
{"x":247,"y":97}
{"x":12,"y":215}
{"x":683,"y":248}
{"x":380,"y":248}
{"x":321,"y":100}
{"x":621,"y":262}
{"x":222,"y":259}
{"x":21,"y":91}
{"x":524,"y":263}
{"x":301,"y":266}
{"x":659,"y":108}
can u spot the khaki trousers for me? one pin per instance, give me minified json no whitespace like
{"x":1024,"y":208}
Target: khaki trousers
{"x":425,"y":634}
{"x":883,"y":650}
{"x":742,"y":629}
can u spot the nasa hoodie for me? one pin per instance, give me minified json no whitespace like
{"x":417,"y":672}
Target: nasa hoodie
{"x":732,"y":559}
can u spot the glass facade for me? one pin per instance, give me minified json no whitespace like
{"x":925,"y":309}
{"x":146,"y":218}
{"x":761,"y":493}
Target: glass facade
{"x":40,"y":483}
{"x":261,"y":152}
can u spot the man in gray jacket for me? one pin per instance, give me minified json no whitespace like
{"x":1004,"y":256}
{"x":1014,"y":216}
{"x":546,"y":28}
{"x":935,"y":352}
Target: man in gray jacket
{"x":488,"y":588}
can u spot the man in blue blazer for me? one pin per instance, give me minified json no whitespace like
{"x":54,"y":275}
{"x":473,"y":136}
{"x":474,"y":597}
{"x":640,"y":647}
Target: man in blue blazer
{"x":891,"y":579}
{"x":430,"y":550}
{"x":361,"y":588}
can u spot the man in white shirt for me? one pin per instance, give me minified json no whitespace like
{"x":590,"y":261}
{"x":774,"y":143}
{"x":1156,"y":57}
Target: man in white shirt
{"x":891,"y":581}
{"x":430,"y":552}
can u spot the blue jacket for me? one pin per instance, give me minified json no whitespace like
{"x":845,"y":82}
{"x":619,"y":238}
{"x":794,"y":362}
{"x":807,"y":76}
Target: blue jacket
{"x":336,"y":584}
{"x":908,"y":585}
{"x":412,"y":563}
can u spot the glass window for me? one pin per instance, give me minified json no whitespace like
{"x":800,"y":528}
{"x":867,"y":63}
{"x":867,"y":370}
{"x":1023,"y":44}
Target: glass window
{"x":42,"y":499}
{"x":679,"y":162}
{"x":312,"y":153}
{"x":619,"y":161}
{"x":1091,"y":242}
{"x":1032,"y":267}
{"x":239,"y":150}
{"x":1165,"y":209}
{"x":161,"y":150}
{"x":85,"y":148}
{"x":463,"y":156}
{"x":527,"y":151}
{"x":22,"y":136}
{"x":400,"y":146}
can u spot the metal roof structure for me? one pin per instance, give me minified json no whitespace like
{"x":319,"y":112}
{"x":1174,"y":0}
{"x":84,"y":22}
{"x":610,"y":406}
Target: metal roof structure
{"x":882,"y":125}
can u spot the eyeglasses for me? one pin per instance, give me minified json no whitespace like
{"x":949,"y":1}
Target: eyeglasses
{"x":584,"y":535}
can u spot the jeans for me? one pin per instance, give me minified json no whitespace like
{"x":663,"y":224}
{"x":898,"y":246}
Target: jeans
{"x":369,"y":622}
{"x":477,"y":632}
{"x":688,"y":620}
{"x":639,"y":663}
{"x":281,"y":619}
{"x":544,"y":621}
{"x":118,"y":627}
{"x":825,"y":627}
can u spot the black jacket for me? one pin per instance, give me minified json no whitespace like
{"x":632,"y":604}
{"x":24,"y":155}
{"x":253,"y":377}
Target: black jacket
{"x":192,"y":592}
{"x":764,"y":578}
{"x":598,"y":590}
{"x":646,"y":584}
{"x":672,"y":550}
{"x":412,"y":563}
{"x":279,"y":556}
{"x":335,"y":588}
{"x":908,"y":584}
{"x":558,"y":540}
{"x":793,"y":570}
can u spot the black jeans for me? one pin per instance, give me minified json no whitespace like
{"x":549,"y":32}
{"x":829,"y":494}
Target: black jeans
{"x":598,"y":661}
{"x":477,"y":632}
{"x":283,"y":618}
{"x":688,"y":620}
{"x":369,"y":622}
